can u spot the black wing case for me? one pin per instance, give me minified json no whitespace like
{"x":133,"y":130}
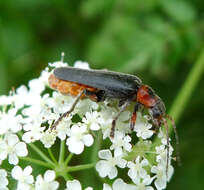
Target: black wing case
{"x":114,"y":84}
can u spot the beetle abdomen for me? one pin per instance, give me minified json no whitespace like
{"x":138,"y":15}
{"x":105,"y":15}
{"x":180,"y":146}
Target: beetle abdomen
{"x":67,"y":87}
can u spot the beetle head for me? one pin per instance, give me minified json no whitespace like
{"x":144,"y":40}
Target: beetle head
{"x":157,"y":112}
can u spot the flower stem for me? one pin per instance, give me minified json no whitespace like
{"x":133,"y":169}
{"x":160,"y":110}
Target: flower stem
{"x":80,"y":167}
{"x":68,"y":159}
{"x":185,"y":93}
{"x":38,"y":151}
{"x":61,"y":155}
{"x":43,"y":156}
{"x":96,"y":147}
{"x":51,"y":155}
{"x":39,"y":162}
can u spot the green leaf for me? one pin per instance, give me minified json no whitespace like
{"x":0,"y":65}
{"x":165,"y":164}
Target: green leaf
{"x":179,"y":10}
{"x":91,"y":8}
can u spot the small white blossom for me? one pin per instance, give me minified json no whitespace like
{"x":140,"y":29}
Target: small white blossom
{"x":60,"y":63}
{"x":60,"y":103}
{"x":161,"y":177}
{"x":38,"y":111}
{"x":107,"y":118}
{"x":47,"y":182}
{"x":63,"y":128}
{"x":81,"y":65}
{"x":107,"y":115}
{"x":121,"y":142}
{"x":107,"y":166}
{"x":21,"y":96}
{"x":85,"y":105}
{"x":78,"y":137}
{"x":122,"y":123}
{"x":14,"y":148}
{"x":143,"y":183}
{"x":137,"y":169}
{"x":162,"y":154}
{"x":44,"y":76}
{"x":75,"y":185}
{"x":31,"y":96}
{"x":88,"y":188}
{"x":48,"y":138}
{"x":92,"y":120}
{"x":163,"y":138}
{"x":36,"y":86}
{"x":24,"y":177}
{"x":34,"y":131}
{"x":10,"y":121}
{"x":5,"y":100}
{"x":3,"y":179}
{"x":142,"y":127}
{"x":118,"y":184}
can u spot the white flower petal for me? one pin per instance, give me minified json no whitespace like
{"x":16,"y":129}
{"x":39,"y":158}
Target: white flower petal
{"x":27,"y":170}
{"x":73,"y":185}
{"x":106,"y":187}
{"x":16,"y":172}
{"x":103,"y":168}
{"x":21,"y":149}
{"x":105,"y":154}
{"x":49,"y":175}
{"x":113,"y":172}
{"x":88,"y":140}
{"x":12,"y":139}
{"x":121,"y":163}
{"x":13,"y":159}
{"x":75,"y":146}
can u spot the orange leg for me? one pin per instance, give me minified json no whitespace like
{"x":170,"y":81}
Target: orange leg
{"x":133,"y":120}
{"x":134,"y":115}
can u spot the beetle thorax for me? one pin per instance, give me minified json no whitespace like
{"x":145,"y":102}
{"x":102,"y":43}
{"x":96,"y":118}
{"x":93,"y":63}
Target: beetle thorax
{"x":146,"y":96}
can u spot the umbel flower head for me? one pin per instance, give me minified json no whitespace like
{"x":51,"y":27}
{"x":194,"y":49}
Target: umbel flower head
{"x":130,"y":160}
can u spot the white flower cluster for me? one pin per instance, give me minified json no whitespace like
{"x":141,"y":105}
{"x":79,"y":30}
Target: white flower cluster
{"x":29,"y":113}
{"x":26,"y":180}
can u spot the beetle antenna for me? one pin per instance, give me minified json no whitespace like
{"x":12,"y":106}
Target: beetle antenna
{"x":178,"y":158}
{"x":167,"y":137}
{"x":62,"y":57}
{"x":53,"y":127}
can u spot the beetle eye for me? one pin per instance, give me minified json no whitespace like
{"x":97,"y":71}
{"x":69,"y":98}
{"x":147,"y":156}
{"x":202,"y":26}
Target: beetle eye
{"x":156,"y":114}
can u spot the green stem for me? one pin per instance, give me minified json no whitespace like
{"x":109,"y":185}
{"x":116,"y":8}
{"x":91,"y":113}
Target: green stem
{"x":38,"y":151}
{"x":61,"y":155}
{"x":96,"y":147}
{"x":186,"y":91}
{"x":80,"y":167}
{"x":43,"y":156}
{"x":39,"y":162}
{"x":185,"y":94}
{"x":68,"y":159}
{"x":66,"y":177}
{"x":52,"y":156}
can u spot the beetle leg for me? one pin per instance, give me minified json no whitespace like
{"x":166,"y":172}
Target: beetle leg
{"x":177,"y":140}
{"x":95,"y":96}
{"x":134,"y":115}
{"x":121,"y":102}
{"x":124,"y":106}
{"x":68,"y":112}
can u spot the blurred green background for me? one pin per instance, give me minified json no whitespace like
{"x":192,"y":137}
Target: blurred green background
{"x":158,"y":40}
